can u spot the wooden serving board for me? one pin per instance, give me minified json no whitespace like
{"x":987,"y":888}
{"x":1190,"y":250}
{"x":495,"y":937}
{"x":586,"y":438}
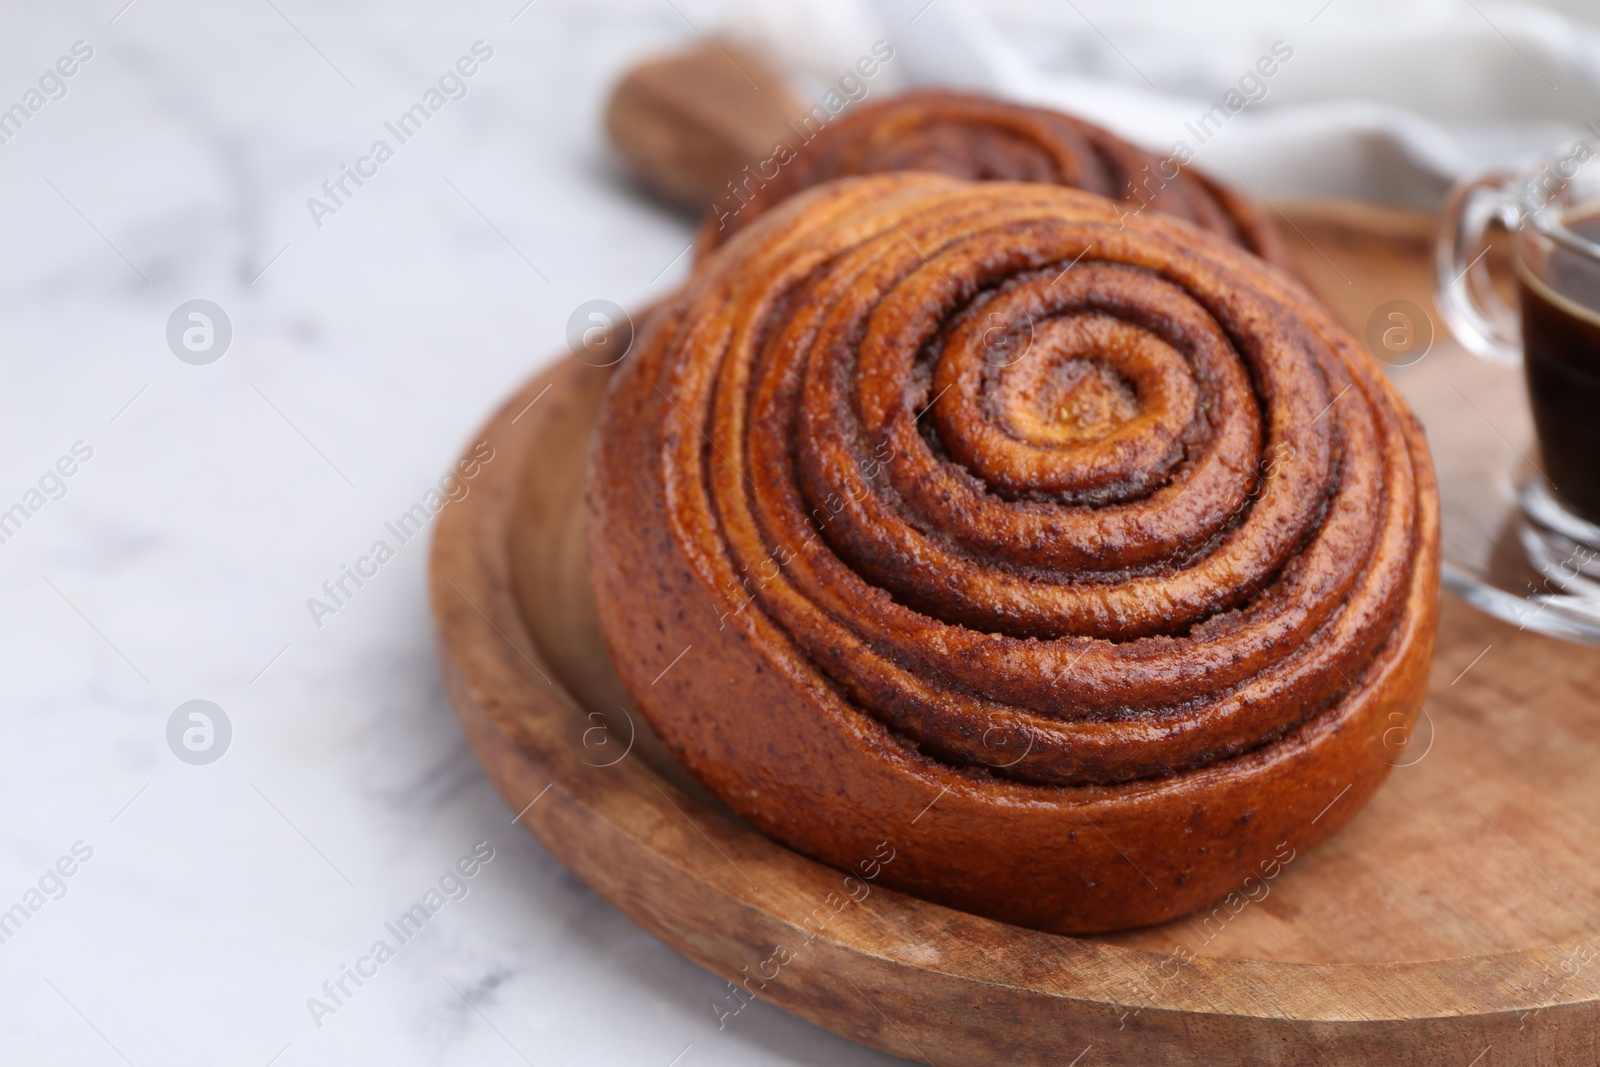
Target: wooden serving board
{"x":1452,"y":922}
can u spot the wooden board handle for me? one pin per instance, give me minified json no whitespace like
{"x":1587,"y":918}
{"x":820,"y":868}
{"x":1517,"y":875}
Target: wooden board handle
{"x":689,"y":121}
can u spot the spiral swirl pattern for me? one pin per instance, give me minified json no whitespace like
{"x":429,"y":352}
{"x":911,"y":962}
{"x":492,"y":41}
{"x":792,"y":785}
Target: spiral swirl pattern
{"x":1053,"y":497}
{"x":979,"y":138}
{"x":1111,"y":508}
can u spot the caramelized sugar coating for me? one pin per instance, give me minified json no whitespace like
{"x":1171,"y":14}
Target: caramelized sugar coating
{"x":1093,"y":533}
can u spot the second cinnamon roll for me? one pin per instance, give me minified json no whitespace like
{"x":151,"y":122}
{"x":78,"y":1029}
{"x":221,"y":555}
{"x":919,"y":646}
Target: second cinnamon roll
{"x":981,"y":138}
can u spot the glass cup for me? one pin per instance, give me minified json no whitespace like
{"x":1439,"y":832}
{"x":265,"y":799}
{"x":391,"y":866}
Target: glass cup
{"x":1552,"y":215}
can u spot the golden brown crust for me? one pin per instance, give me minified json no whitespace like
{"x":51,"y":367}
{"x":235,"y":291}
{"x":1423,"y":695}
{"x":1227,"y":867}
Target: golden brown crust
{"x":1091,"y":527}
{"x":979,"y":138}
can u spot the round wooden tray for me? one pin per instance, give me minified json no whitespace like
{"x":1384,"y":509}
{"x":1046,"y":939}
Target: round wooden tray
{"x":1449,"y":923}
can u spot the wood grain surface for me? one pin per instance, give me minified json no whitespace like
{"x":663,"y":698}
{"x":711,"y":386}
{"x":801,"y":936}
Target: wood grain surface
{"x":1452,"y":922}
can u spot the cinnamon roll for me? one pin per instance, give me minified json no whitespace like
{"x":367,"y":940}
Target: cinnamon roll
{"x":980,"y":138}
{"x":1078,"y":557}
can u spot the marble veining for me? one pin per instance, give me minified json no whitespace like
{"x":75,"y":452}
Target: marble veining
{"x":177,"y":563}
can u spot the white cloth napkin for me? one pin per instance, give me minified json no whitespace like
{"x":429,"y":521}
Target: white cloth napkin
{"x":1383,"y":100}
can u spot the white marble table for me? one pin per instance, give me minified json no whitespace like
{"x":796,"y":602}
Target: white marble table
{"x":176,"y":561}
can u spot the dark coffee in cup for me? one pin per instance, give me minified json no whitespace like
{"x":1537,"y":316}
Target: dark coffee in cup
{"x":1560,"y":314}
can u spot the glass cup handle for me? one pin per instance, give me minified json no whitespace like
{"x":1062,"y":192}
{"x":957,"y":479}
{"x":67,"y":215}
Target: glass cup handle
{"x":1473,"y":310}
